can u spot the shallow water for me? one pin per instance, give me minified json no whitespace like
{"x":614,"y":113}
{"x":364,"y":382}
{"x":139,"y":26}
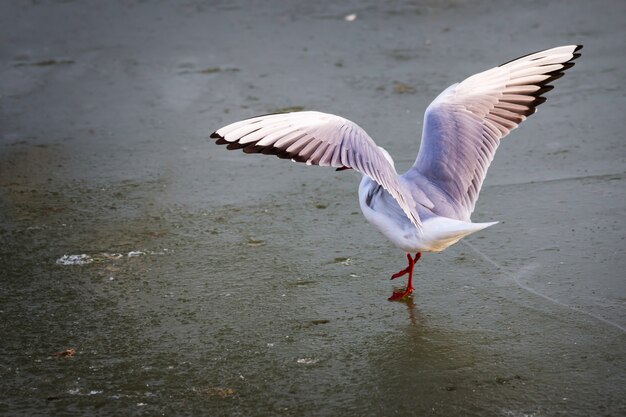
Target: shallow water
{"x":230,"y":311}
{"x":223,"y":284}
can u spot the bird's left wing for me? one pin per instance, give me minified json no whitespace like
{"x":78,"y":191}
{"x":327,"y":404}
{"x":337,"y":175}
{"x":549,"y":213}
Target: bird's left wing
{"x":319,"y":139}
{"x":464,"y":125}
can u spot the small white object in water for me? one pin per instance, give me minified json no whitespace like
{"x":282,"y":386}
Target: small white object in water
{"x":75,"y":260}
{"x":350,"y":17}
{"x":107,"y":255}
{"x":307,"y":361}
{"x":135,"y":253}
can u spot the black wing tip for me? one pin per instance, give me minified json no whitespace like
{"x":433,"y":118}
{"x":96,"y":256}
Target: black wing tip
{"x":235,"y":145}
{"x":251,"y":148}
{"x":545,"y":85}
{"x":219,"y":139}
{"x":575,"y":55}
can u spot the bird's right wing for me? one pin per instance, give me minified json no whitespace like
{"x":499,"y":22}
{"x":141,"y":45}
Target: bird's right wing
{"x":319,"y":139}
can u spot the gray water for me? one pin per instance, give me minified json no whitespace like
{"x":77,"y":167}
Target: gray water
{"x":254,"y":285}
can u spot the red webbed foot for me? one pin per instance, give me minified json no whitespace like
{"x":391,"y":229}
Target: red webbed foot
{"x":399,"y":295}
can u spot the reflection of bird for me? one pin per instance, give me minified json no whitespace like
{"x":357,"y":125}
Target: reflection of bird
{"x":428,"y":207}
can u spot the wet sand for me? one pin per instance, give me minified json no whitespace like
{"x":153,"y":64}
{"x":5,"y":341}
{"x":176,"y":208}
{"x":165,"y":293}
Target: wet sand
{"x":254,"y":285}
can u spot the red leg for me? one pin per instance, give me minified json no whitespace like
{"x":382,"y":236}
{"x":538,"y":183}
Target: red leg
{"x":406,"y":270}
{"x":397,"y":295}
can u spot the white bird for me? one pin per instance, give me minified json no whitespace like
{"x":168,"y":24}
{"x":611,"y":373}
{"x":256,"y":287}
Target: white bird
{"x":427,"y":208}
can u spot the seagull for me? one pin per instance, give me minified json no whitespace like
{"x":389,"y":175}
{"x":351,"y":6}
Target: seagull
{"x":428,"y":208}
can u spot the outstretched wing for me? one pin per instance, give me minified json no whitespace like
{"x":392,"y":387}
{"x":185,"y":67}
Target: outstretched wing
{"x":319,"y":139}
{"x":464,"y":125}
